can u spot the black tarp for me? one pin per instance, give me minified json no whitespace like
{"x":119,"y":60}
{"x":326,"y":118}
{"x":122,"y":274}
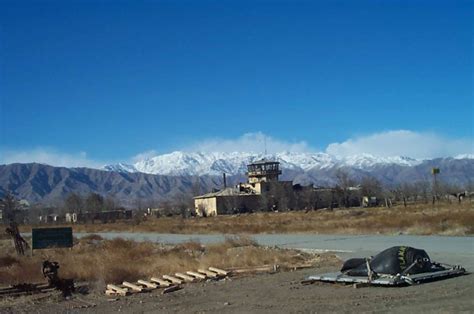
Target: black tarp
{"x":391,"y":261}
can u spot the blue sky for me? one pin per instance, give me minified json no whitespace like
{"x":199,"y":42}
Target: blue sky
{"x":107,"y":80}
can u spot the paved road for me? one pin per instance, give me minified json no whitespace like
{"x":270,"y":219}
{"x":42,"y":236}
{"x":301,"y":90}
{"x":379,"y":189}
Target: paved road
{"x":451,"y":250}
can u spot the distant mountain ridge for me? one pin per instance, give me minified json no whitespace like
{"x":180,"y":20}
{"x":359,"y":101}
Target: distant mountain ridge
{"x":216,"y":163}
{"x":51,"y":185}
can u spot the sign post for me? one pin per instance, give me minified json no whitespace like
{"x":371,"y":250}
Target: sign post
{"x":44,"y":238}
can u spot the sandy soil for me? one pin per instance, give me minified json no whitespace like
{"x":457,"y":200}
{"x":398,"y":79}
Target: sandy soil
{"x":266,"y":293}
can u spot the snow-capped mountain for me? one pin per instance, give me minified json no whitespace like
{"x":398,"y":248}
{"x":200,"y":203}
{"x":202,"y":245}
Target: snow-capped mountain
{"x":464,"y":156}
{"x":121,"y":167}
{"x":169,"y":176}
{"x":368,"y":161}
{"x":199,"y":163}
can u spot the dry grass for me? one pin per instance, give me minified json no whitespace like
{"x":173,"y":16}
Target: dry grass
{"x":104,"y":261}
{"x":444,"y":219}
{"x":113,"y":261}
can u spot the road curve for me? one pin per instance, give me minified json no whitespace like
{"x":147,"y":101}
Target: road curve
{"x":451,"y":250}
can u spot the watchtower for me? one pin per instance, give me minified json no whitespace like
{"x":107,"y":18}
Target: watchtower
{"x":263,"y":171}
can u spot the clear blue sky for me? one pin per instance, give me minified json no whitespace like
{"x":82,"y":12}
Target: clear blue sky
{"x":116,"y":78}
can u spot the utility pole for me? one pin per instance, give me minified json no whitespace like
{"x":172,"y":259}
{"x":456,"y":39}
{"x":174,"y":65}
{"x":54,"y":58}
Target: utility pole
{"x":435,"y":172}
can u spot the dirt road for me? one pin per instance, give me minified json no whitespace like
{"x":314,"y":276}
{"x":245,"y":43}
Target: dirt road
{"x":283,"y":292}
{"x":276,"y":293}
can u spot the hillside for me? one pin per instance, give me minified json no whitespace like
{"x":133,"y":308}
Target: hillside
{"x":50,"y":185}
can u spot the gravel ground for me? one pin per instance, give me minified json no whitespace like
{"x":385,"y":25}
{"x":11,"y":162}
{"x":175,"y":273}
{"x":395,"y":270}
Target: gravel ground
{"x":266,"y":293}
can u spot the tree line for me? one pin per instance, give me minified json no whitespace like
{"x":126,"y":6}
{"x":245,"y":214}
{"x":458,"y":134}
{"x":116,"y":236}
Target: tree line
{"x":92,"y":202}
{"x":341,"y":194}
{"x":348,"y":192}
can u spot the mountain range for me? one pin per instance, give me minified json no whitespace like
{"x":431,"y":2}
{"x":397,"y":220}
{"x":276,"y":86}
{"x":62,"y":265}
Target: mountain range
{"x":216,"y":163}
{"x":170,"y":176}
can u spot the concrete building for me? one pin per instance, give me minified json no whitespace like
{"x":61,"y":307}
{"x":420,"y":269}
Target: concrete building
{"x":262,"y":191}
{"x":226,"y":201}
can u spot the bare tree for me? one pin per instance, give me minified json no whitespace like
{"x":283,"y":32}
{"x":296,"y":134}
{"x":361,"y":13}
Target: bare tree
{"x":414,"y":191}
{"x":344,"y":182}
{"x":450,"y":191}
{"x":469,"y":189}
{"x":371,"y":187}
{"x":74,"y":203}
{"x":469,"y":185}
{"x":167,"y":208}
{"x":403,"y":191}
{"x":309,"y":199}
{"x":152,"y":203}
{"x":110,"y":203}
{"x":181,"y":203}
{"x":424,"y":188}
{"x":94,"y":203}
{"x":9,"y":205}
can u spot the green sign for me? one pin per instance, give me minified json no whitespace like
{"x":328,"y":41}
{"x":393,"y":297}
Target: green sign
{"x":44,"y":238}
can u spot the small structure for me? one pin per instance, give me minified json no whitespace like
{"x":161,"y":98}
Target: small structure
{"x":104,"y":216}
{"x":226,"y":201}
{"x":71,"y":217}
{"x":81,"y":217}
{"x":259,"y":191}
{"x":23,"y":204}
{"x":369,"y":201}
{"x":50,"y":218}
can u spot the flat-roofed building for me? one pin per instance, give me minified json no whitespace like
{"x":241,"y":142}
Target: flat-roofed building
{"x":257,"y":193}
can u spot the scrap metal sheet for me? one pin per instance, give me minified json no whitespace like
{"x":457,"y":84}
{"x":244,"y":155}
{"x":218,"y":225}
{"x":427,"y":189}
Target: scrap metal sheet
{"x":388,"y":281}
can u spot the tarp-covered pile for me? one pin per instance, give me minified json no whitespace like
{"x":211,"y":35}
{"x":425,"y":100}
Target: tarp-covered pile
{"x":398,"y":265}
